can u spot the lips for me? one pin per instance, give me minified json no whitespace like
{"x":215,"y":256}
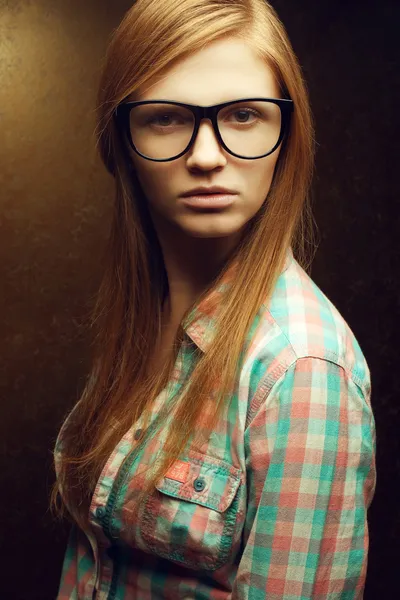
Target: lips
{"x":213,"y":190}
{"x":207,"y":202}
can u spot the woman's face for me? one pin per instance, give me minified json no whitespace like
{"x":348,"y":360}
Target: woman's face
{"x":224,"y":70}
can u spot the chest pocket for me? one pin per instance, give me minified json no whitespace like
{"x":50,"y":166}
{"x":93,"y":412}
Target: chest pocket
{"x":193,"y":521}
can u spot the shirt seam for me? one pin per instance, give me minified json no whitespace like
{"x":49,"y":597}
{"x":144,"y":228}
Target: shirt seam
{"x":269,"y":381}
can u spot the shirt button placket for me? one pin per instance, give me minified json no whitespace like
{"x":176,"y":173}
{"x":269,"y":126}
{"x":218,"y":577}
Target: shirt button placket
{"x":100,"y":512}
{"x":138,"y":434}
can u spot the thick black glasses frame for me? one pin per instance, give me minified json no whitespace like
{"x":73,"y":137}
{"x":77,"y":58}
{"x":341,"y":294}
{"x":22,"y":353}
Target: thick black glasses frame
{"x":122,"y":120}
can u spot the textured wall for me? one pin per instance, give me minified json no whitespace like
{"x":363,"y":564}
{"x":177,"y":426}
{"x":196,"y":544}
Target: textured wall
{"x":55,"y":213}
{"x":55,"y":209}
{"x":350,"y":53}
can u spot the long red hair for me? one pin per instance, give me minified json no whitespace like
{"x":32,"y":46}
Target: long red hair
{"x":126,"y":317}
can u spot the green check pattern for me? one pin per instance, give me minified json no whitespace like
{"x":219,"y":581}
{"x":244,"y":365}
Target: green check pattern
{"x":275,"y":505}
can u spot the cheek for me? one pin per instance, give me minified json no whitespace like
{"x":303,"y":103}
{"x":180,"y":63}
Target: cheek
{"x":155,"y":180}
{"x":259,"y":181}
{"x":146,"y":179}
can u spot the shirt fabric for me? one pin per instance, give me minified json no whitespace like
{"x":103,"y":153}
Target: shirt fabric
{"x":276,"y":505}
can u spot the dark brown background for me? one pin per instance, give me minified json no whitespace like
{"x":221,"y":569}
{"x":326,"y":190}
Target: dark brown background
{"x":56,"y":204}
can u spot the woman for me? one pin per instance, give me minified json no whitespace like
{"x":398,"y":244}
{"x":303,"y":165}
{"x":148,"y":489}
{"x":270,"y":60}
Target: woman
{"x":224,"y":446}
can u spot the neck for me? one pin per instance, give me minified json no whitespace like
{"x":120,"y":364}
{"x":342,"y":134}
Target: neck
{"x":191,"y":264}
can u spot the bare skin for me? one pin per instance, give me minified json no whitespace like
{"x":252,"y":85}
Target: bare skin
{"x":196,"y":245}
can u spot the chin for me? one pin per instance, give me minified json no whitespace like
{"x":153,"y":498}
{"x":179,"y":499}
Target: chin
{"x":211,"y":232}
{"x":214,"y":234}
{"x":212,"y":227}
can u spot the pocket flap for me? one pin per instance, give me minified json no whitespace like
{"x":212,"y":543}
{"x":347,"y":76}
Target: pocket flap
{"x":209,"y":482}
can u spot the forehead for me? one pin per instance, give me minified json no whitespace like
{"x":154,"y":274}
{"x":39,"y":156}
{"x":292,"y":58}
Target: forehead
{"x":221,"y":71}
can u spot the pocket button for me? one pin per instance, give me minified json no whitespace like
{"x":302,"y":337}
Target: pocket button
{"x":199,"y":484}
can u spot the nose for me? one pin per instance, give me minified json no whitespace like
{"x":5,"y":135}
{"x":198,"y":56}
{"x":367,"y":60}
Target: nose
{"x":206,"y":152}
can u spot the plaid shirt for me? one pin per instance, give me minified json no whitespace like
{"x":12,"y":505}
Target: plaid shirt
{"x":276,"y":505}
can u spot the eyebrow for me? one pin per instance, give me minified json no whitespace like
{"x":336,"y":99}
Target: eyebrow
{"x":238,"y":99}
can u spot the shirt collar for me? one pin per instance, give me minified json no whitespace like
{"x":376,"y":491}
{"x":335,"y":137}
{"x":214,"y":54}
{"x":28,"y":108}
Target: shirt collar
{"x":203,"y":316}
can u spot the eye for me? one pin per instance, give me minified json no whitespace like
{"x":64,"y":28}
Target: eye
{"x":160,"y":119}
{"x":245,"y":113}
{"x":166,"y":119}
{"x":241,"y":116}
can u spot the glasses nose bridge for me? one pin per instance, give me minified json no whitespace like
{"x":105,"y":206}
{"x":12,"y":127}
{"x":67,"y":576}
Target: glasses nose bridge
{"x":207,"y":112}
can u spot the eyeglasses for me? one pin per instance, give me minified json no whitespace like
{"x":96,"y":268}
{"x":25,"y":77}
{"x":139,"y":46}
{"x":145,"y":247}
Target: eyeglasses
{"x":162,"y":130}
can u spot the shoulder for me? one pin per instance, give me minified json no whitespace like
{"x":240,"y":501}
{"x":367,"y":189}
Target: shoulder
{"x":301,"y":322}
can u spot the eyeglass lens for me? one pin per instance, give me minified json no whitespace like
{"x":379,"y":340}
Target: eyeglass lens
{"x":162,"y":131}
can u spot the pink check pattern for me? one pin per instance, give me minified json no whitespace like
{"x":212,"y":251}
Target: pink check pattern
{"x":275,"y":506}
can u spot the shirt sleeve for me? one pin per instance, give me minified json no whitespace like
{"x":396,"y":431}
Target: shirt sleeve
{"x":310,"y":463}
{"x":78,"y":568}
